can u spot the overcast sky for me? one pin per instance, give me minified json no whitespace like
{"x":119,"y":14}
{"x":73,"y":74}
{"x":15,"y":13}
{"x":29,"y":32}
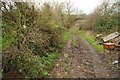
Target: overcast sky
{"x":86,"y":5}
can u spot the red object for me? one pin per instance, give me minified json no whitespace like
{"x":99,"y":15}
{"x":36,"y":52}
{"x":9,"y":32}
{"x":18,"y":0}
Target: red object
{"x":109,"y":45}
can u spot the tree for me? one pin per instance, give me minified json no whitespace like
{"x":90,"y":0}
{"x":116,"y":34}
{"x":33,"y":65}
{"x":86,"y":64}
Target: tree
{"x":104,"y":18}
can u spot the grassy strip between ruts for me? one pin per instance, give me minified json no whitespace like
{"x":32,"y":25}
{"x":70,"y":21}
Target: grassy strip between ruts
{"x":65,"y":37}
{"x":91,"y":40}
{"x":73,"y":40}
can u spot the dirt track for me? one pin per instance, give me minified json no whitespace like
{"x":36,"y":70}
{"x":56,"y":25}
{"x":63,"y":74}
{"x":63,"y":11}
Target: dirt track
{"x":79,"y":60}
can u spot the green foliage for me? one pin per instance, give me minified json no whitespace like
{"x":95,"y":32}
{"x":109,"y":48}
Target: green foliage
{"x":32,"y":35}
{"x":0,"y":43}
{"x":8,"y":35}
{"x":104,"y":19}
{"x":7,"y":40}
{"x":35,"y":66}
{"x":105,"y":24}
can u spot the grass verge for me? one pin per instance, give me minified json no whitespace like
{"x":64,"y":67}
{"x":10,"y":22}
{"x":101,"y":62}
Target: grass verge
{"x":91,"y":40}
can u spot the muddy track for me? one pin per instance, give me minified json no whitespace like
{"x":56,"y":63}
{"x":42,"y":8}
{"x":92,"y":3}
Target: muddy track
{"x":79,"y":60}
{"x":93,"y":59}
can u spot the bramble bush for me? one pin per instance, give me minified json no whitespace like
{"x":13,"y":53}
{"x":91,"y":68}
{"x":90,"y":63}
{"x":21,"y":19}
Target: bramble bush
{"x":31,"y":37}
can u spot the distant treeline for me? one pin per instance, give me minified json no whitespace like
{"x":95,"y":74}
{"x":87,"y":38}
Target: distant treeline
{"x":104,"y":19}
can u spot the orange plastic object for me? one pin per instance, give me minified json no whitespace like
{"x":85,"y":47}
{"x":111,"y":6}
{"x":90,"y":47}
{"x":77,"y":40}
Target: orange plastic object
{"x":109,"y":45}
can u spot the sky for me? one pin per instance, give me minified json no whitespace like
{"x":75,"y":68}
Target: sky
{"x":87,"y":6}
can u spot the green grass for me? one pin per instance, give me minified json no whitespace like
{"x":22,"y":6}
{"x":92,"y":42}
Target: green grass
{"x":7,"y":39}
{"x":8,"y":35}
{"x":35,"y":65}
{"x":73,"y":40}
{"x":48,"y":62}
{"x":65,"y":37}
{"x":6,"y":42}
{"x":91,"y":40}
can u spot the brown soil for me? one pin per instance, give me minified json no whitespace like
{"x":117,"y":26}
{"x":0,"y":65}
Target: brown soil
{"x":82,"y":61}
